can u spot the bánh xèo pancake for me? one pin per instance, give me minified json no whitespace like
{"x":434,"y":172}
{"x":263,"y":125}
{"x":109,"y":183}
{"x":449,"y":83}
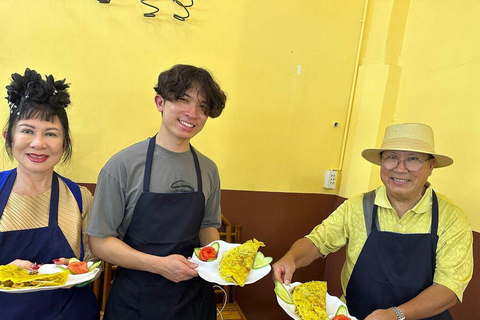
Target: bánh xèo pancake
{"x":237,"y":262}
{"x":13,"y":277}
{"x":310,"y":300}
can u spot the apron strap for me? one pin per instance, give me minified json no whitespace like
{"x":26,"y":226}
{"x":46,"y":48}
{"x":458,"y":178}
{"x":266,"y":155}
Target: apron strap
{"x":368,"y":203}
{"x":434,"y":229}
{"x":197,"y":169}
{"x":75,"y":189}
{"x":7,"y":181}
{"x":54,"y":196}
{"x":149,"y":162}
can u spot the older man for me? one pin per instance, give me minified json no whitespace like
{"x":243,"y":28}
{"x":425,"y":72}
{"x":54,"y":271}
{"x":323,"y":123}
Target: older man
{"x":409,"y":250}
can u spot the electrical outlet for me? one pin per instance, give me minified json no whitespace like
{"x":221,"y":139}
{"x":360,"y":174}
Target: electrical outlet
{"x":330,"y":179}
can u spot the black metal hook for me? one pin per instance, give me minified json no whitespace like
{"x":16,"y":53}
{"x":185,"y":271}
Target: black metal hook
{"x":149,"y":14}
{"x":182,"y":18}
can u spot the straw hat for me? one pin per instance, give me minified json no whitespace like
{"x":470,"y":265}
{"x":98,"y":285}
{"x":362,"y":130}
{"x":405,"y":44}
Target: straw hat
{"x":416,"y":137}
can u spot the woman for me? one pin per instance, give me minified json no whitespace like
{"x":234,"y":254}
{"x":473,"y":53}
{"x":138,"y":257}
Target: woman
{"x":42,"y":215}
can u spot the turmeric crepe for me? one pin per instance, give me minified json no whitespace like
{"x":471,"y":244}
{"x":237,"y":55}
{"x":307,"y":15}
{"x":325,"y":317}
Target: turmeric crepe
{"x":310,"y":300}
{"x":237,"y":262}
{"x":13,"y":277}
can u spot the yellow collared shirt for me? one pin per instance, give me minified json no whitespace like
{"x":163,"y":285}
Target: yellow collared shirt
{"x":346,"y":227}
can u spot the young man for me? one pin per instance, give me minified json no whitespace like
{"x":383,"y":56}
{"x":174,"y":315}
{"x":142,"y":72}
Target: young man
{"x":162,"y":197}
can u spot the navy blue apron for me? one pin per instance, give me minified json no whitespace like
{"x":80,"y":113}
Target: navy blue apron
{"x":42,"y":245}
{"x":393,"y":268}
{"x":162,"y":224}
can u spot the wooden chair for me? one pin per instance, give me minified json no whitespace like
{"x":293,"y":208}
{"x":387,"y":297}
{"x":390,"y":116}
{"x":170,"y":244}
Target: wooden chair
{"x":232,"y":310}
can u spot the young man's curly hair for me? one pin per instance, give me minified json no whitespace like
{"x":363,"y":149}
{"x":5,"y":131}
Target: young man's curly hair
{"x":172,"y":84}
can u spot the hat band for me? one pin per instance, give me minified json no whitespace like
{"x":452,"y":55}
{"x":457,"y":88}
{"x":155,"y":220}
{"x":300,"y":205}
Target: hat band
{"x":407,"y":144}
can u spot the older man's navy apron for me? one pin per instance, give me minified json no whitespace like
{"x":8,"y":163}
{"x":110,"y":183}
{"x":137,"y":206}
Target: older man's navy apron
{"x":162,"y":224}
{"x":42,"y":245}
{"x":393,"y":268}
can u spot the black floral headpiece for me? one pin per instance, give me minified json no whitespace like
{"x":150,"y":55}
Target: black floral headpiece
{"x":31,"y":87}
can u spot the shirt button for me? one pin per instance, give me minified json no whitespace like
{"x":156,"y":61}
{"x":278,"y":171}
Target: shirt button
{"x":399,"y":226}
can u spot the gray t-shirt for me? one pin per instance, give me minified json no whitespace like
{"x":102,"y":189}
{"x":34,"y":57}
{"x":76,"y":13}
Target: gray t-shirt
{"x":120,"y":184}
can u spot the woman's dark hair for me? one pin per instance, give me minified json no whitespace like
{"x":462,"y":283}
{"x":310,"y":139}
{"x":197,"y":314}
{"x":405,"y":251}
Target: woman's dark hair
{"x":172,"y":84}
{"x":31,"y":97}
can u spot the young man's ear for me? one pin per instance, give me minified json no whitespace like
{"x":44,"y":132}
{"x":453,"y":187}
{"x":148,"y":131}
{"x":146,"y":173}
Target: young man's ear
{"x":160,"y":102}
{"x":5,"y":134}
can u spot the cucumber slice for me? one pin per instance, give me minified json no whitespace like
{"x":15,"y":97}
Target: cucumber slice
{"x":62,"y":268}
{"x":282,"y":292}
{"x":73,"y":260}
{"x":94,"y":265}
{"x":197,"y":252}
{"x":260,"y":261}
{"x":216,"y":246}
{"x":342,"y":310}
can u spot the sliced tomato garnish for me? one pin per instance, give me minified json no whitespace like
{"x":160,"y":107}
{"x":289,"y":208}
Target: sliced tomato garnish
{"x":207,"y":253}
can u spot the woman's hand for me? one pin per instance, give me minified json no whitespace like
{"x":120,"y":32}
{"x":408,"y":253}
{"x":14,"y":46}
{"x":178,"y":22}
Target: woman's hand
{"x":25,"y":264}
{"x":61,"y":261}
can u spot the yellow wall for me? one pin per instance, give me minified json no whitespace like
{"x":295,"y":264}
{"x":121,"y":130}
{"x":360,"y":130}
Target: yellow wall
{"x":420,"y":63}
{"x":287,"y":67}
{"x":283,"y":65}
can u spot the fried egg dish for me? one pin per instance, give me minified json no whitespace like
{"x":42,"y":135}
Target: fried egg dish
{"x":13,"y":277}
{"x":310,"y":300}
{"x":237,"y":262}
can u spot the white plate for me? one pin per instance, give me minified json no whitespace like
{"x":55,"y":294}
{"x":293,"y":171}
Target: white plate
{"x":72,"y":279}
{"x":332,"y":304}
{"x":209,"y":270}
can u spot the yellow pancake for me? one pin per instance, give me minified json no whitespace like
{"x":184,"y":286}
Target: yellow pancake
{"x":310,"y":300}
{"x":13,"y":277}
{"x":237,"y":262}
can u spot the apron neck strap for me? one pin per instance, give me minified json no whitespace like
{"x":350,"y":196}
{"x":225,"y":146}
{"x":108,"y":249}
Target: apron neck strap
{"x":54,"y":195}
{"x":7,"y":189}
{"x":434,"y":223}
{"x":53,"y":214}
{"x":149,"y":162}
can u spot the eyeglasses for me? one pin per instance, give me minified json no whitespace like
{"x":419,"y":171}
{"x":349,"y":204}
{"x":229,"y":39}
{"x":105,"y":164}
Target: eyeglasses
{"x":412,"y":164}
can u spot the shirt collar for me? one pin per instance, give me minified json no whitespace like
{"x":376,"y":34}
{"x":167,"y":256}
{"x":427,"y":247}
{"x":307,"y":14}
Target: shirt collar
{"x":423,"y":205}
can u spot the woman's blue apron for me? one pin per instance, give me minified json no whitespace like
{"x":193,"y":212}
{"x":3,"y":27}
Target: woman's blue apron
{"x":393,"y":268}
{"x":42,"y":245}
{"x":162,"y":224}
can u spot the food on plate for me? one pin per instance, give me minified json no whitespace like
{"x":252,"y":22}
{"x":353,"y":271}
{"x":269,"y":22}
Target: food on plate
{"x":261,"y":261}
{"x":282,"y":292}
{"x":342,"y":313}
{"x":237,"y":262}
{"x":13,"y":277}
{"x":76,"y":266}
{"x":310,"y":300}
{"x":208,"y":253}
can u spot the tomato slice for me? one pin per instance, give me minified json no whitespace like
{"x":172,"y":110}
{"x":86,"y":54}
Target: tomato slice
{"x":341,"y":317}
{"x":78,"y":267}
{"x":207,"y":253}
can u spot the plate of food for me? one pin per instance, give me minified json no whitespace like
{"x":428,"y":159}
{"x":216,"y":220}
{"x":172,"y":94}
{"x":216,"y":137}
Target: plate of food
{"x":310,"y":300}
{"x":14,"y":279}
{"x":226,"y":263}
